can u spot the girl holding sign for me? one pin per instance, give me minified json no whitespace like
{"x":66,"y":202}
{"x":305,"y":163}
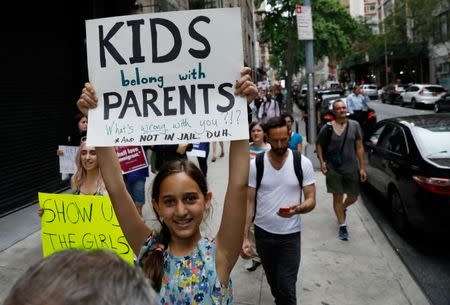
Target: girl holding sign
{"x":181,"y":264}
{"x":88,"y":179}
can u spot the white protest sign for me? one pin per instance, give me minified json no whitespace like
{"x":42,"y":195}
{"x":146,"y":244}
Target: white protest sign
{"x":67,"y":160}
{"x":304,"y":23}
{"x":166,"y":78}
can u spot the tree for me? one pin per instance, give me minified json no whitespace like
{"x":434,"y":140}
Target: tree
{"x":334,"y":31}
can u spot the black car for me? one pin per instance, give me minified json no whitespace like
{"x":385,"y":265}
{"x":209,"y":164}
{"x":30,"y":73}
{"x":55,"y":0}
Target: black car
{"x":442,"y":104}
{"x":408,"y":162}
{"x":368,"y":119}
{"x":391,"y":93}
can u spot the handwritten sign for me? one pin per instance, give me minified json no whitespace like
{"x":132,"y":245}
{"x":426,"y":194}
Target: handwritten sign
{"x":67,"y":160}
{"x":131,"y":158}
{"x":166,"y":78}
{"x":82,"y":222}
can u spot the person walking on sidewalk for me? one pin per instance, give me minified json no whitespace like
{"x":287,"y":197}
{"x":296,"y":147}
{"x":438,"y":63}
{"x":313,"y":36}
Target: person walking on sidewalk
{"x":214,"y":151}
{"x":275,"y":202}
{"x":268,"y":109}
{"x":340,"y":151}
{"x":357,"y":106}
{"x":296,"y":140}
{"x":183,"y":266}
{"x":258,"y":145}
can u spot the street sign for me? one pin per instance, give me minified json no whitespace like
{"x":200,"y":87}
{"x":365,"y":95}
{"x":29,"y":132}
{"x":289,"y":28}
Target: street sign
{"x":304,"y":23}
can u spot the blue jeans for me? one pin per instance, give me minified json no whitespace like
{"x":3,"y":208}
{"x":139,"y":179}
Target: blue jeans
{"x":136,"y":188}
{"x":280,"y":258}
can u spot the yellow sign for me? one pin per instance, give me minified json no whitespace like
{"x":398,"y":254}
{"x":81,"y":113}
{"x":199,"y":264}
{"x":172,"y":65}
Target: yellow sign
{"x":82,"y":222}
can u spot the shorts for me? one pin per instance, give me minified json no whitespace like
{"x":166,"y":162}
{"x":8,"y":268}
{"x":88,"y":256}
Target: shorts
{"x":136,"y":188}
{"x":342,"y":183}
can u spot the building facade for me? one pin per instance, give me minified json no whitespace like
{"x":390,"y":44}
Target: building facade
{"x":439,"y":47}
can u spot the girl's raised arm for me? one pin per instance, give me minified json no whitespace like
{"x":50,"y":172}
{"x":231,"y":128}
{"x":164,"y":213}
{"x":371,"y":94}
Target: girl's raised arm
{"x":133,"y":227}
{"x":230,"y":235}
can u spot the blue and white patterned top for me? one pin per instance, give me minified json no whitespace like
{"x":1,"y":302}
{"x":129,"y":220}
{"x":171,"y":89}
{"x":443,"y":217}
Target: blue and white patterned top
{"x":192,"y":279}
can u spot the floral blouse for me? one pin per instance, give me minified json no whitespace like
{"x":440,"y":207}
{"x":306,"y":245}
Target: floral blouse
{"x":192,"y":279}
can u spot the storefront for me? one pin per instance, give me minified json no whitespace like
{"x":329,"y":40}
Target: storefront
{"x":43,"y":72}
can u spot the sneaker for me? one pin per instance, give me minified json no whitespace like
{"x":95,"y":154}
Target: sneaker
{"x":252,"y":265}
{"x":343,"y":233}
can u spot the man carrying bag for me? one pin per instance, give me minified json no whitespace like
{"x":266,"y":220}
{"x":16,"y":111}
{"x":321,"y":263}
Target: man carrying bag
{"x":340,"y":151}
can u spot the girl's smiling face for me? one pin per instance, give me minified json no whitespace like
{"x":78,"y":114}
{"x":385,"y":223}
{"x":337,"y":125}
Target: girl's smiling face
{"x":182,"y":204}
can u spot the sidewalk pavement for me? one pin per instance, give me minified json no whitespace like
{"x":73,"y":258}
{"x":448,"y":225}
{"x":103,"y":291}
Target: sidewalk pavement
{"x":365,"y":270}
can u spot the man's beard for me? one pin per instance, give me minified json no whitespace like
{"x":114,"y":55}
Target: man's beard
{"x":280,"y":151}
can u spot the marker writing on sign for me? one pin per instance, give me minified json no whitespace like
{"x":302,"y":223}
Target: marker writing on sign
{"x":155,"y":24}
{"x":149,"y":101}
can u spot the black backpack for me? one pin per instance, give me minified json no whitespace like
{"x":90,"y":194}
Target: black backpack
{"x":259,"y":162}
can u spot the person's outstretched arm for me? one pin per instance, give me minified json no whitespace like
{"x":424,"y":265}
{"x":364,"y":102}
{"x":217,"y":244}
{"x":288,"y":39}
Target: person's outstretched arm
{"x":133,"y":227}
{"x":230,"y":235}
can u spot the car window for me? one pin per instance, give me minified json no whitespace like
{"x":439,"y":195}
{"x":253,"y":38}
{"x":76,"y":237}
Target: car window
{"x":435,"y":89}
{"x":393,"y":139}
{"x":372,"y":87}
{"x":376,"y":134}
{"x":413,"y":89}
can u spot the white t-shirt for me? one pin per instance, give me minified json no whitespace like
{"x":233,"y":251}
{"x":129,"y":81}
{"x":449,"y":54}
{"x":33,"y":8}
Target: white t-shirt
{"x":279,"y":189}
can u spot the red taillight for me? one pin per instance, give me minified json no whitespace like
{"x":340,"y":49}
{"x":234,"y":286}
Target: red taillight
{"x":421,"y":92}
{"x":371,"y":115}
{"x":329,"y":117}
{"x":435,"y":185}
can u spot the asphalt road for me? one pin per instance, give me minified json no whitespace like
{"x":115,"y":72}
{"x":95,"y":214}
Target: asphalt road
{"x":426,"y":256}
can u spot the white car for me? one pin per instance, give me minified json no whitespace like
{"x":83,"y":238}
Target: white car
{"x":425,"y":94}
{"x":370,"y":90}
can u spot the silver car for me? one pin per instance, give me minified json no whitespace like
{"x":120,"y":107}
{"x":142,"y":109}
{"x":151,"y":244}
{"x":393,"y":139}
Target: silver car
{"x":425,"y":94}
{"x":370,"y":90}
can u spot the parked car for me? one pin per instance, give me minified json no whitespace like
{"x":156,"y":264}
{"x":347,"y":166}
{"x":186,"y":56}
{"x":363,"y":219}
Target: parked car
{"x":426,"y":94}
{"x":442,"y":104}
{"x":326,"y":115}
{"x":371,"y":91}
{"x":391,"y":92}
{"x":408,"y":162}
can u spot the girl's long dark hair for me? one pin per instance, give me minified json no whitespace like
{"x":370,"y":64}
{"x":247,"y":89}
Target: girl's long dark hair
{"x":153,"y":264}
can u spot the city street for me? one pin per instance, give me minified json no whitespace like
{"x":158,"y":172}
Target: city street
{"x":427,"y":256}
{"x":156,"y":81}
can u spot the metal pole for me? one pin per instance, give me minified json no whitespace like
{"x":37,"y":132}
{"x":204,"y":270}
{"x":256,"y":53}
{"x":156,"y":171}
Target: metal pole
{"x":309,"y":52}
{"x":312,"y":119}
{"x":386,"y":62}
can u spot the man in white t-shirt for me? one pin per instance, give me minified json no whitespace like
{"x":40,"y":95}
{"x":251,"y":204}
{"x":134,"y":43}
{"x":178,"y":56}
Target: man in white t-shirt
{"x":277,"y":232}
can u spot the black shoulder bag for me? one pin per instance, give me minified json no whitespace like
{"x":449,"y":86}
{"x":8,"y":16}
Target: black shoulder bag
{"x":334,"y":156}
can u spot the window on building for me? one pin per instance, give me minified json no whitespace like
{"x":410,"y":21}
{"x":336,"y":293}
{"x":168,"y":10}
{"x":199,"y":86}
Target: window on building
{"x":442,"y":28}
{"x":387,"y":8}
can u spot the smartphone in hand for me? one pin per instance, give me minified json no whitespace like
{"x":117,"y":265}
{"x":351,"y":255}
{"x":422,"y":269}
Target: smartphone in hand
{"x":284,"y":210}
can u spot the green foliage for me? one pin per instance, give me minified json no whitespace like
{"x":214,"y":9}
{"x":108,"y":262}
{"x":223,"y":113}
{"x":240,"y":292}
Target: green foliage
{"x":334,"y":31}
{"x":405,"y":32}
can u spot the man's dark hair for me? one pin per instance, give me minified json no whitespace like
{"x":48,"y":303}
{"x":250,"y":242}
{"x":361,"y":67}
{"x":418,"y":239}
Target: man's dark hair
{"x":288,"y":115}
{"x":275,"y":122}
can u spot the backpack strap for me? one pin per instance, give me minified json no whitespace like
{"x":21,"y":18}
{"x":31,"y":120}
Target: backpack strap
{"x":259,"y":162}
{"x":298,"y":166}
